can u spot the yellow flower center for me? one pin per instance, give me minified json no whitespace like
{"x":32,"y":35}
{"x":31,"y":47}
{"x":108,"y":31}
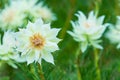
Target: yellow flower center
{"x":87,"y":25}
{"x":37,"y":41}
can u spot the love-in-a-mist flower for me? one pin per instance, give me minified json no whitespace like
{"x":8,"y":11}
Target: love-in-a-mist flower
{"x":37,"y":42}
{"x":7,"y":50}
{"x":114,"y":33}
{"x":11,"y":18}
{"x":87,"y":31}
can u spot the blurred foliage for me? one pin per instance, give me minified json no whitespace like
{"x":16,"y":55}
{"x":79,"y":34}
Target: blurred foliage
{"x":65,"y":67}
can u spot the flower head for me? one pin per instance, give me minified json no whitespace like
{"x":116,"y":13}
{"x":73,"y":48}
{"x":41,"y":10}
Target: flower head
{"x":88,"y":31}
{"x":27,"y":6}
{"x":114,"y":33}
{"x":7,"y":49}
{"x":34,"y":9}
{"x":11,"y":18}
{"x":16,"y":14}
{"x":45,"y":13}
{"x":37,"y":42}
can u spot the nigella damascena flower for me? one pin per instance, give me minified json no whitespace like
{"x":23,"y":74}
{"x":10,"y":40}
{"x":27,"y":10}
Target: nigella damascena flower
{"x":8,"y":54}
{"x":37,"y":41}
{"x":88,"y":31}
{"x":114,"y":33}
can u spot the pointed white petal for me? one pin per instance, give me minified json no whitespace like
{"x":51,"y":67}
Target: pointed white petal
{"x":81,"y":16}
{"x":84,"y":46}
{"x":30,"y":58}
{"x":39,"y":21}
{"x":51,"y":47}
{"x":91,"y":15}
{"x":12,"y":64}
{"x":100,"y":20}
{"x":48,"y":57}
{"x":73,"y":24}
{"x":37,"y":55}
{"x":96,"y":44}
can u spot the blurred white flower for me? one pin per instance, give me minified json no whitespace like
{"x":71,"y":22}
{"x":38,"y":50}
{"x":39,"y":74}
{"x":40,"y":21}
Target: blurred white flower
{"x":114,"y":33}
{"x":15,"y":14}
{"x":37,"y":42}
{"x":7,"y":49}
{"x":11,"y":18}
{"x":26,"y":6}
{"x":45,"y":13}
{"x":88,"y":31}
{"x":34,"y":9}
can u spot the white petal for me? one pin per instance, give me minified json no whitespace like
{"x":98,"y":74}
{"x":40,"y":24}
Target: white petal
{"x":71,"y":33}
{"x":39,"y":21}
{"x":47,"y":26}
{"x":28,"y":25}
{"x":48,"y":57}
{"x":100,"y":20}
{"x":76,"y":37}
{"x":51,"y":47}
{"x":18,"y":58}
{"x":25,"y":50}
{"x":12,"y":64}
{"x":96,"y":44}
{"x":91,"y":16}
{"x":81,"y":16}
{"x":73,"y":24}
{"x":107,"y":24}
{"x":37,"y":55}
{"x":84,"y":46}
{"x":52,"y":32}
{"x":98,"y":33}
{"x":30,"y":58}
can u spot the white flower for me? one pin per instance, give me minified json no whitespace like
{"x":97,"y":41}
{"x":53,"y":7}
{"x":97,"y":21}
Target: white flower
{"x":11,"y":18}
{"x":24,"y":5}
{"x":7,"y":51}
{"x":114,"y":33}
{"x":34,"y":9}
{"x":6,"y":48}
{"x":15,"y":14}
{"x":88,"y":31}
{"x":37,"y":42}
{"x":45,"y":13}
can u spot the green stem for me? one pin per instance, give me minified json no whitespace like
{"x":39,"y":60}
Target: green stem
{"x":32,"y":70}
{"x":78,"y":73}
{"x":97,"y":6}
{"x":67,"y":22}
{"x":41,"y":75}
{"x":77,"y":63}
{"x":96,"y":61}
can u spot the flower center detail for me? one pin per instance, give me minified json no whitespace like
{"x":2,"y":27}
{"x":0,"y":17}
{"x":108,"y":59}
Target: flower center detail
{"x":87,"y":25}
{"x":37,"y":41}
